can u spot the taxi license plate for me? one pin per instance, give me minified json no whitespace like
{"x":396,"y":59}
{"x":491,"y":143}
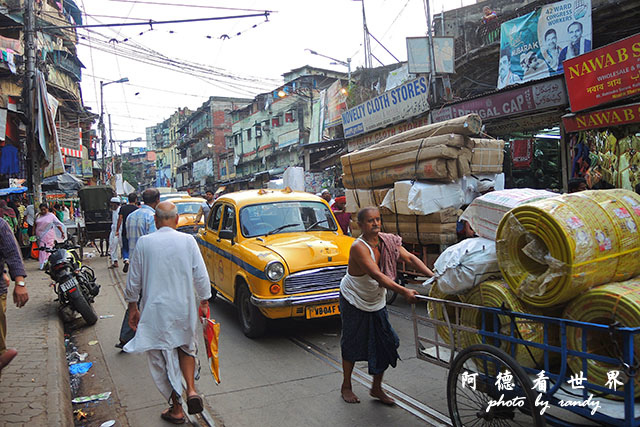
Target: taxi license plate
{"x":69,"y":284}
{"x":322,"y":310}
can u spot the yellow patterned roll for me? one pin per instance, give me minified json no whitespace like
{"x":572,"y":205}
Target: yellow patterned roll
{"x":552,"y":250}
{"x":495,"y":293}
{"x":436,"y":312}
{"x":605,"y":304}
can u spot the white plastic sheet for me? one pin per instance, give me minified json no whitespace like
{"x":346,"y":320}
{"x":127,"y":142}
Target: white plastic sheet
{"x":293,"y":178}
{"x":421,"y":198}
{"x":465,"y":265}
{"x":485,"y":212}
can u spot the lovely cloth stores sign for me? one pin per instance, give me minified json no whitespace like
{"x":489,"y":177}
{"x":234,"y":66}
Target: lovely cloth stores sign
{"x":400,"y":103}
{"x":543,"y":95}
{"x":605,"y":75}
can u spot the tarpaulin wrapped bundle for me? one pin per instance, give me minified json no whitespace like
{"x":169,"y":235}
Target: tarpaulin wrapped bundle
{"x":465,"y":265}
{"x":606,"y":304}
{"x":485,"y":212}
{"x":471,"y":124}
{"x":496,"y":293}
{"x":554,"y":249}
{"x":422,"y":198}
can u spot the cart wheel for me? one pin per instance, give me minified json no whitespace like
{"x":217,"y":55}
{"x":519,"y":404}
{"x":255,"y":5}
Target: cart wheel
{"x":469,"y":405}
{"x":391,"y":295}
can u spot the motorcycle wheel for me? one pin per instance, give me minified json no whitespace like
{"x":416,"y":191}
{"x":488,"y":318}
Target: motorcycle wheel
{"x":82,"y":306}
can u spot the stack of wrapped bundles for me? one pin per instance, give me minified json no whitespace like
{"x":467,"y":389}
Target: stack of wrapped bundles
{"x":441,"y":151}
{"x":437,"y":156}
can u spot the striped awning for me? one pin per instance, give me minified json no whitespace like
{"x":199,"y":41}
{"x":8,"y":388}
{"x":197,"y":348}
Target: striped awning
{"x":71,"y":152}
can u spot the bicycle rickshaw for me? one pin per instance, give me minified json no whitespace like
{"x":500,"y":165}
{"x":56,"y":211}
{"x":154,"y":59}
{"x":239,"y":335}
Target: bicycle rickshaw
{"x":477,"y":390}
{"x":94,"y":201}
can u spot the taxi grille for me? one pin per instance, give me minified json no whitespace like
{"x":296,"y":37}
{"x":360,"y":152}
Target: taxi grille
{"x":314,"y":280}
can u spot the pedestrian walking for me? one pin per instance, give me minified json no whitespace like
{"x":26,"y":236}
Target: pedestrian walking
{"x":113,"y":235}
{"x":45,"y":231}
{"x":166,"y":267}
{"x":10,"y":255}
{"x":367,"y":334}
{"x":139,"y":223}
{"x":121,"y":230}
{"x":205,"y":208}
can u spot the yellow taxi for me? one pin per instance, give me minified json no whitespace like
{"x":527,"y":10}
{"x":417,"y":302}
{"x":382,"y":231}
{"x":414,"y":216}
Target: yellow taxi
{"x":188,"y":208}
{"x":275,"y":254}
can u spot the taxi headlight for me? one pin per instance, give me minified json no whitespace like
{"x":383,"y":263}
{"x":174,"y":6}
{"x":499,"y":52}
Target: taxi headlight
{"x":274,"y":271}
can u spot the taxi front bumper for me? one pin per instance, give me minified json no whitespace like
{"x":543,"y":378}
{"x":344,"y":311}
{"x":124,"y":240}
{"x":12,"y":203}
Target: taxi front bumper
{"x":296,"y":300}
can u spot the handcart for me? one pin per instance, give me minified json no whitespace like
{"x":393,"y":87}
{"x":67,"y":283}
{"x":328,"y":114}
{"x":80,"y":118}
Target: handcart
{"x":498,"y":378}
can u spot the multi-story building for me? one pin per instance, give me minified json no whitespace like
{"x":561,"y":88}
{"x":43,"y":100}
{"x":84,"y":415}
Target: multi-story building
{"x":162,"y":138}
{"x":202,"y":149}
{"x":56,"y":59}
{"x":268,"y":133}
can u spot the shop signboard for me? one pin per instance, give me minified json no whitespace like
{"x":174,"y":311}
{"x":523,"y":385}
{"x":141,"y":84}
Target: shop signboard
{"x":603,"y":118}
{"x":604,"y":75}
{"x":534,"y":46}
{"x":400,"y":103}
{"x":371,"y":138}
{"x":542,"y":95}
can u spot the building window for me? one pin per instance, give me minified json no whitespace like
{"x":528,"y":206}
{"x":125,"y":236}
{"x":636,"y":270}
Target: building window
{"x":275,"y":121}
{"x":258,"y":130}
{"x":248,"y":134}
{"x":290,"y":116}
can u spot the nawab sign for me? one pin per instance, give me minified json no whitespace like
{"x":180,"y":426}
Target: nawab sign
{"x":604,"y":75}
{"x":603,"y":118}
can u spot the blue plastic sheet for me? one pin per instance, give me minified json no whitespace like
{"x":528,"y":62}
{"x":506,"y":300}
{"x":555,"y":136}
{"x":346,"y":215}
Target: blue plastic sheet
{"x":80,"y":368}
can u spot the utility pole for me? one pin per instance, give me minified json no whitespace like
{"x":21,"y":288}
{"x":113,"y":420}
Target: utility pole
{"x":29,"y":86}
{"x":103,"y":135}
{"x":432,"y":59}
{"x":368,"y":63}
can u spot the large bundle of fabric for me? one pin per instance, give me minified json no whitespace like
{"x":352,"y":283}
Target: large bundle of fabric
{"x":438,"y":155}
{"x":553,"y":249}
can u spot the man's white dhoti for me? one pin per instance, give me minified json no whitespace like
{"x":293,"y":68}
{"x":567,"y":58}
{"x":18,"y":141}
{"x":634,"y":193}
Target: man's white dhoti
{"x":113,"y":247}
{"x":165,"y":369}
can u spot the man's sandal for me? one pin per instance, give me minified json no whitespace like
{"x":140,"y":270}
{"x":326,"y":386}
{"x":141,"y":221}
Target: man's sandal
{"x":194,"y":404}
{"x":166,"y":415}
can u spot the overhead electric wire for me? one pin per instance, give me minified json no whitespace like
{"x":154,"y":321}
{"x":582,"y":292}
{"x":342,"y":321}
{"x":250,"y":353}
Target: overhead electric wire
{"x":188,"y":5}
{"x":384,"y":47}
{"x":152,"y":22}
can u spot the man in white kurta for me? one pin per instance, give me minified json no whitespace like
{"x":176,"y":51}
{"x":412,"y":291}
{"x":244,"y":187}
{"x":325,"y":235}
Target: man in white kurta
{"x":165,"y":268}
{"x":113,"y":237}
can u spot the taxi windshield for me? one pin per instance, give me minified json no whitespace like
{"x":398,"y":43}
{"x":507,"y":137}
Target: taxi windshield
{"x":285,"y":217}
{"x":188,"y":208}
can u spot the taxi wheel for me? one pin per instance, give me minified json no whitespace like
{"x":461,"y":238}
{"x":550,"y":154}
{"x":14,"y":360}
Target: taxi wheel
{"x":253,"y":321}
{"x":214,"y":294}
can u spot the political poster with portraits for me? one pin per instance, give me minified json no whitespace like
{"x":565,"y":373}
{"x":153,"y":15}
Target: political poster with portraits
{"x":533,"y":46}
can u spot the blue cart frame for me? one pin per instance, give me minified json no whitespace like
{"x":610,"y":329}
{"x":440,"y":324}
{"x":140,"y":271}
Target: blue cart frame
{"x":490,"y":316}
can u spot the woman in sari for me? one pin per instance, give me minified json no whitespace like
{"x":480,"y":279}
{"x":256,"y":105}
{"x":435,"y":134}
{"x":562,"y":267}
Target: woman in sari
{"x":45,"y":231}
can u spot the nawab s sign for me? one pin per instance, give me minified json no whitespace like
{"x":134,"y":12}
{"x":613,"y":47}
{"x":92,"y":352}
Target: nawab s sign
{"x":603,"y":118}
{"x":604,"y":75}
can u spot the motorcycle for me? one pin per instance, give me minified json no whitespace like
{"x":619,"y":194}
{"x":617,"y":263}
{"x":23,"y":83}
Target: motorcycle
{"x":74,"y":283}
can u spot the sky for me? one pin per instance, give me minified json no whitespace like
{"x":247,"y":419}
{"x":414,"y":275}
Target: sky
{"x":182,"y":64}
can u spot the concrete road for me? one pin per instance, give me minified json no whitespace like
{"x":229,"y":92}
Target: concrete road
{"x":291,"y":377}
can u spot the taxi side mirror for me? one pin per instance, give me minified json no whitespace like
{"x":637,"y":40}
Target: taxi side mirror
{"x":226,"y":234}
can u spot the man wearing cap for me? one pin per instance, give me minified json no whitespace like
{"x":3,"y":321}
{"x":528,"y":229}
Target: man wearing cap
{"x":113,"y":237}
{"x":341,"y":215}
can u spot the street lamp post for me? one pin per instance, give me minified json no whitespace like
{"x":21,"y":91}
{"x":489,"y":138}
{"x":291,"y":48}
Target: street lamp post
{"x":103,"y":131}
{"x":346,"y":63}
